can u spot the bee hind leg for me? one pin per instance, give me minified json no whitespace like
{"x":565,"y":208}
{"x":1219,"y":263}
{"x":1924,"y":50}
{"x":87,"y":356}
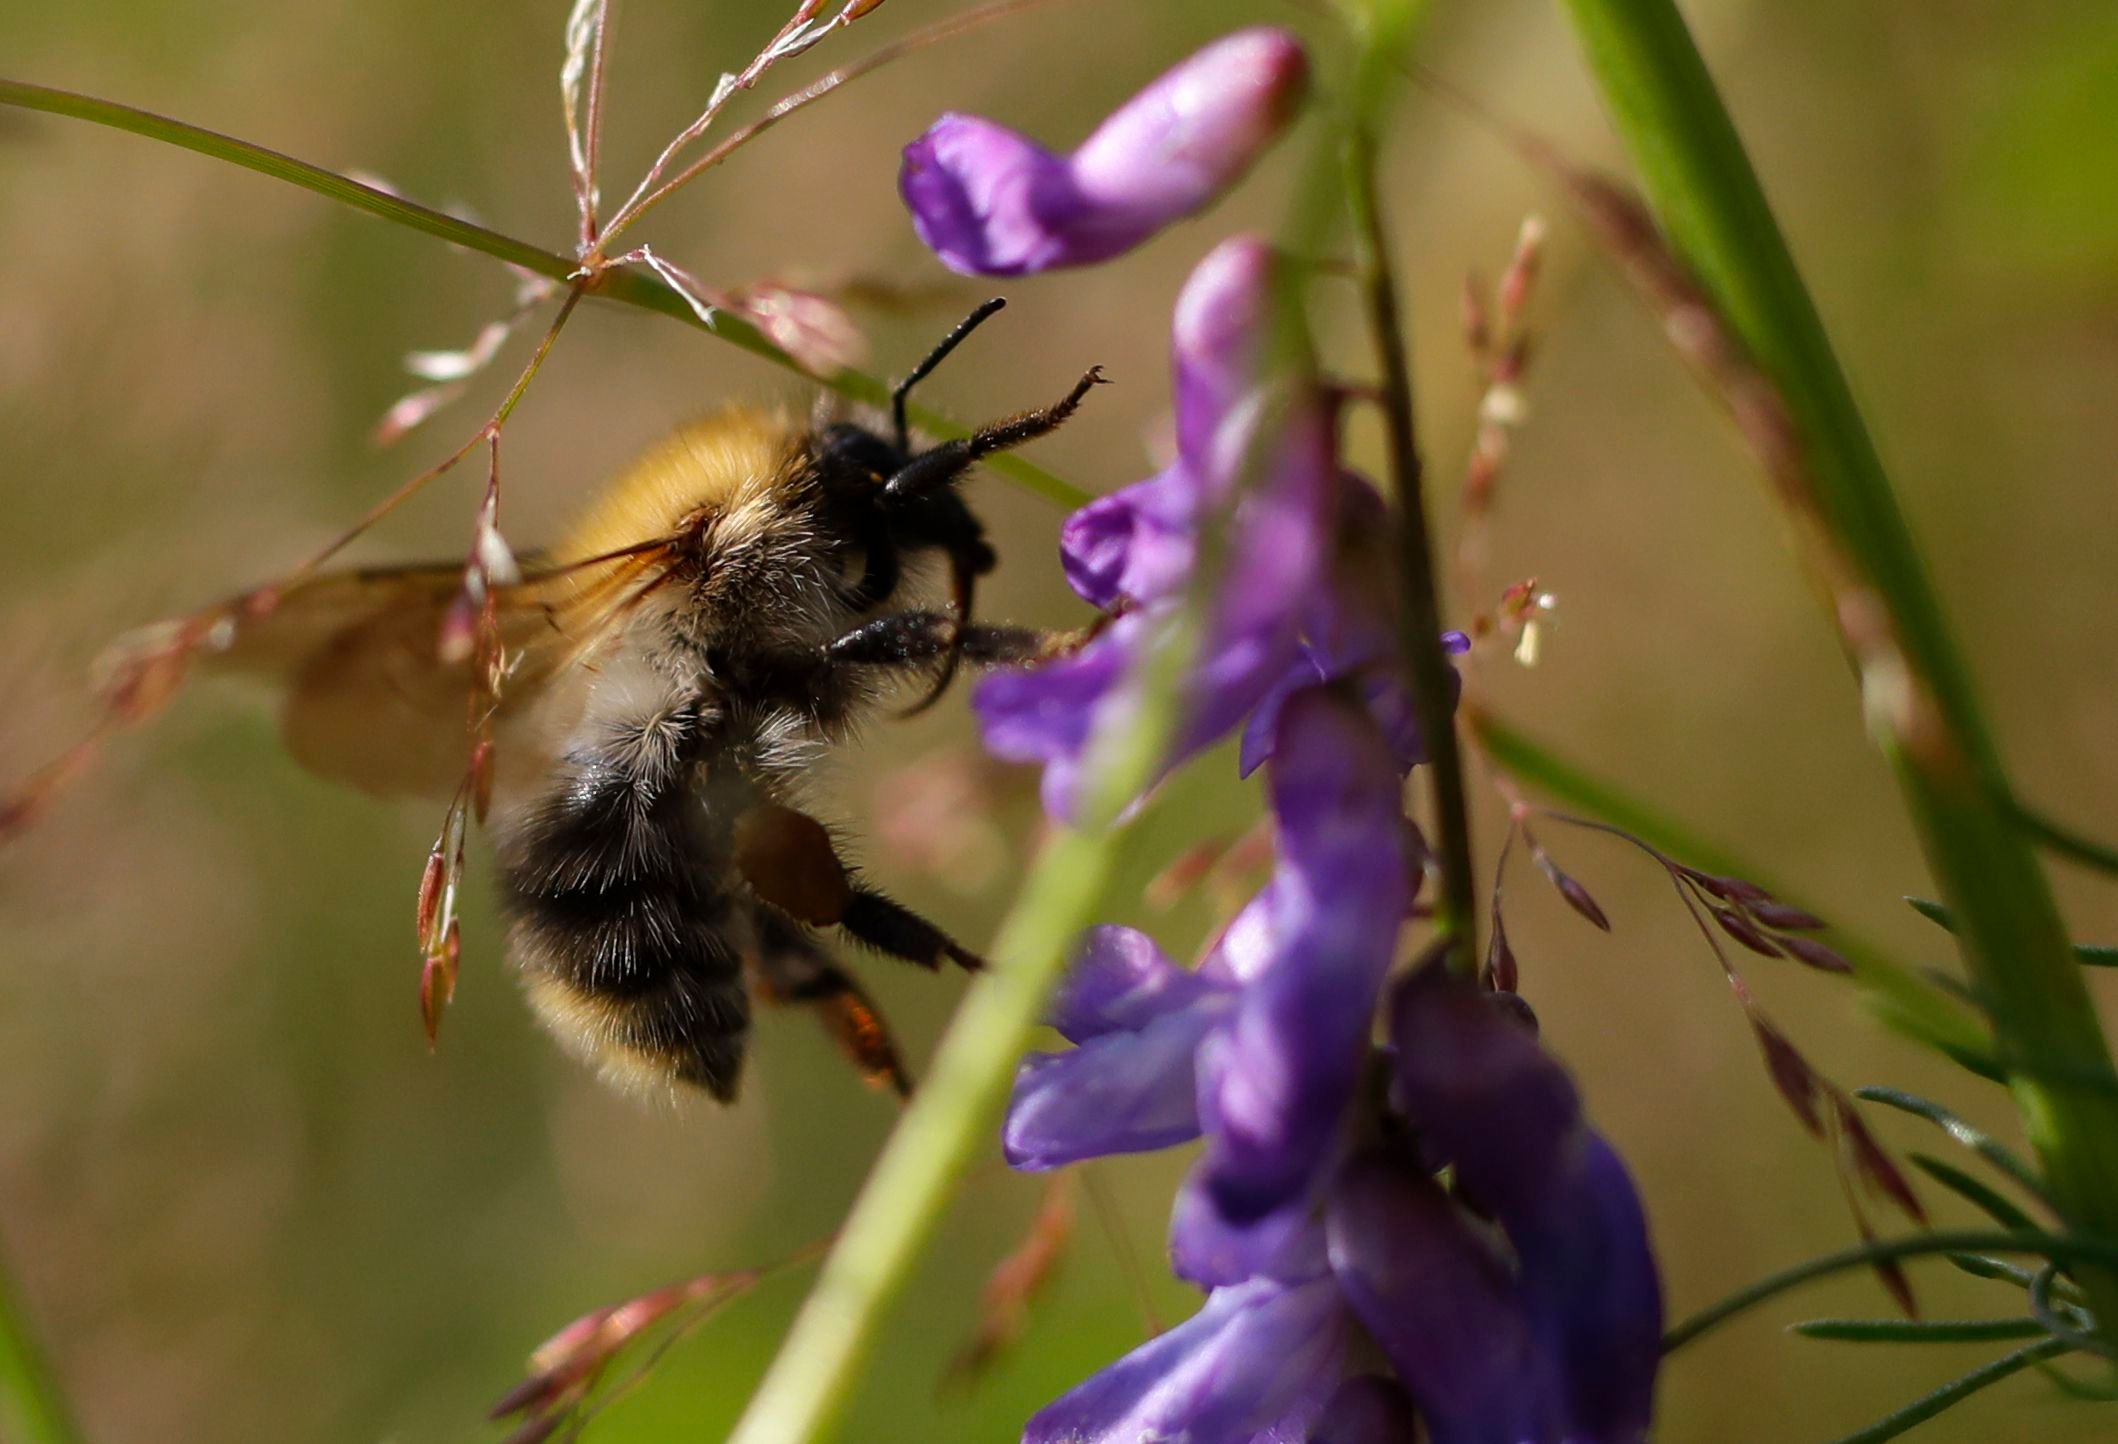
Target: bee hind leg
{"x":890,"y":927}
{"x":789,"y":861}
{"x":794,"y":969}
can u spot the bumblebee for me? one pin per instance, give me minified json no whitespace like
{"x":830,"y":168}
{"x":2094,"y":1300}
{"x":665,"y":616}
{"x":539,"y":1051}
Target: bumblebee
{"x":733,"y":604}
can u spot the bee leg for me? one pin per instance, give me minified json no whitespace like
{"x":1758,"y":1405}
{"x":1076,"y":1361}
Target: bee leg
{"x":793,"y":968}
{"x":788,"y":859}
{"x":938,"y":466}
{"x":890,"y":927}
{"x":911,"y":638}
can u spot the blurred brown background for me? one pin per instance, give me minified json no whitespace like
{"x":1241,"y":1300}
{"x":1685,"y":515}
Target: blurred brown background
{"x":243,"y":1202}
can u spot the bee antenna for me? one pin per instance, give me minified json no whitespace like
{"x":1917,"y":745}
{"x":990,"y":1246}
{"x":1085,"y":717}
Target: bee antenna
{"x":925,"y":368}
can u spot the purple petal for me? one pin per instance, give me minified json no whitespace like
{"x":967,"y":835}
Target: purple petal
{"x":1349,"y":623}
{"x":987,"y":201}
{"x":1255,"y":1365}
{"x":1045,"y":713}
{"x":1117,"y":1093}
{"x":1136,"y":544}
{"x":1120,"y":982}
{"x":1367,"y":1409}
{"x":1588,"y":1274}
{"x":1247,"y":945}
{"x":991,"y":202}
{"x":1488,"y":1099}
{"x":1139,"y":543}
{"x":1274,"y":1086}
{"x":1174,"y":147}
{"x":1211,"y":1250}
{"x":1306,"y":670}
{"x":1218,"y":336}
{"x":1440,"y":1303}
{"x":1483,"y":1094}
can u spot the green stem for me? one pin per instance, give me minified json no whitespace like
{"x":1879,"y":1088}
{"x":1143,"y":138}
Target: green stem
{"x":33,"y":1408}
{"x":811,"y":1378}
{"x":628,"y":286}
{"x":1433,"y":685}
{"x":1923,"y":705}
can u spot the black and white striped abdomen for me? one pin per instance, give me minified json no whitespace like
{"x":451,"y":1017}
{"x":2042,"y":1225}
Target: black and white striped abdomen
{"x":626,"y":920}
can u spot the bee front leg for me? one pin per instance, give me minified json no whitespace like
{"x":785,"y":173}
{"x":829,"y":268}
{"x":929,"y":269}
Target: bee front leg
{"x":910,"y":639}
{"x":789,"y":861}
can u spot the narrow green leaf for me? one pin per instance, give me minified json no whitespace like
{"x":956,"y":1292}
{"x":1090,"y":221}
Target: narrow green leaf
{"x":2082,"y":1389}
{"x":1980,"y":1194}
{"x":315,"y":178}
{"x":2065,"y":1248}
{"x":1917,"y":1331}
{"x":33,"y":1408}
{"x":1920,"y":1410}
{"x":2066,"y":841}
{"x":1984,"y":1144}
{"x":1978,"y":1266}
{"x":2089,"y":955}
{"x":627,"y":287}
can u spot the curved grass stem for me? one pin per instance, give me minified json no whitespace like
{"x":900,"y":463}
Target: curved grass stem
{"x":627,"y":286}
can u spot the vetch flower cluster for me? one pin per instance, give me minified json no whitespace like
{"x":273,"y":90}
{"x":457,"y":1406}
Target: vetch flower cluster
{"x":1519,"y":1304}
{"x":1349,"y":1290}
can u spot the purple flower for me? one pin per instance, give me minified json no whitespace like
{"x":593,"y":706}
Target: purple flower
{"x":991,"y":202}
{"x":1488,"y":1100}
{"x":1136,"y":548}
{"x":1274,"y":1084}
{"x":1255,"y":1365}
{"x":1261,"y":1044}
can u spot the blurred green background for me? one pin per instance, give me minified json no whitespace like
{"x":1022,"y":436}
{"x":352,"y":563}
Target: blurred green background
{"x":242,"y":1201}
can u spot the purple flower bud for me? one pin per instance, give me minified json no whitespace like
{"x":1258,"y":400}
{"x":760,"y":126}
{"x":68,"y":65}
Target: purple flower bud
{"x":991,"y":202}
{"x":1217,"y":339}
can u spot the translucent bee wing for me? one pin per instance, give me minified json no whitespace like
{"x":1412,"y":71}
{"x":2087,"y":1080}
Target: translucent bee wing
{"x":370,"y":699}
